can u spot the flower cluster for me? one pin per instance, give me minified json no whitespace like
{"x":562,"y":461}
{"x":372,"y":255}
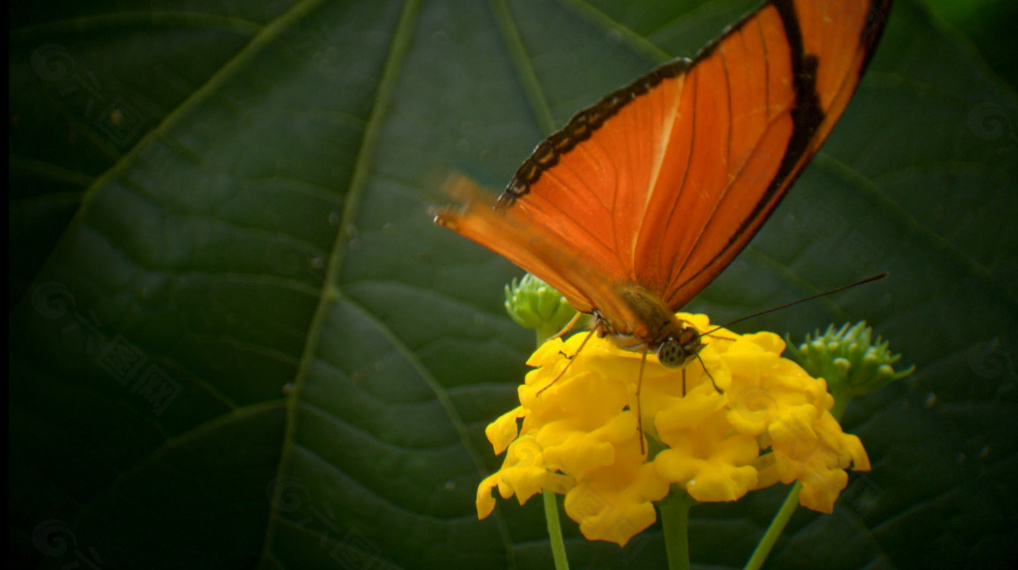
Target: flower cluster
{"x":767,"y":421}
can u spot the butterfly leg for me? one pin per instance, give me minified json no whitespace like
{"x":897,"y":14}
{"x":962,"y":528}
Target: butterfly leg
{"x":705,"y":371}
{"x":568,"y":364}
{"x":639,"y":404}
{"x":569,"y":326}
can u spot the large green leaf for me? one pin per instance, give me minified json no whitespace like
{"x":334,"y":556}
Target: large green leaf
{"x":237,"y":339}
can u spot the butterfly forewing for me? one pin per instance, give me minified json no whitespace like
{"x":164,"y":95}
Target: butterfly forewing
{"x":733,"y":124}
{"x":596,"y":193}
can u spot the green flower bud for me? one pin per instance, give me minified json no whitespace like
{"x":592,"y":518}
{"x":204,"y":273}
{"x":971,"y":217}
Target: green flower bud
{"x":849,"y":360}
{"x":534,"y":304}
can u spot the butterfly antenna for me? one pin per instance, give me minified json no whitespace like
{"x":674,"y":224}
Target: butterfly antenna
{"x":871,"y":279}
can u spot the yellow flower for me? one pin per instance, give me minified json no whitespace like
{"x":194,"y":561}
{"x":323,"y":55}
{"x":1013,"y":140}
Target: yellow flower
{"x":767,"y":421}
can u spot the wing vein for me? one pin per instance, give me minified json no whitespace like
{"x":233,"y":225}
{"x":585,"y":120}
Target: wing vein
{"x":665,"y":136}
{"x":724,"y":192}
{"x":767,"y":69}
{"x":693,"y":80}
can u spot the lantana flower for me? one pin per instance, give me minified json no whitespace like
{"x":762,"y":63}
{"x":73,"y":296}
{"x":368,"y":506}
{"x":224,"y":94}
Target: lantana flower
{"x":755,"y":420}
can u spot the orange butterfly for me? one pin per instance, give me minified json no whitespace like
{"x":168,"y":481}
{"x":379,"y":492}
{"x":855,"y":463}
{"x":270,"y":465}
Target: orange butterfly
{"x":642,"y":199}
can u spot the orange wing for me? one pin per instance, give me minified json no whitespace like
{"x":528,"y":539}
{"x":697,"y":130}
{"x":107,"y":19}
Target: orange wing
{"x":663,"y":182}
{"x":571,"y":267}
{"x":758,"y":106}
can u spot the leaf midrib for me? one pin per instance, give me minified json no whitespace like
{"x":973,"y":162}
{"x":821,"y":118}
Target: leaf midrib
{"x":330,"y":293}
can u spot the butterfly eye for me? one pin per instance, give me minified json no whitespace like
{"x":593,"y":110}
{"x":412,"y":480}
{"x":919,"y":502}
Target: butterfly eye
{"x":671,"y":354}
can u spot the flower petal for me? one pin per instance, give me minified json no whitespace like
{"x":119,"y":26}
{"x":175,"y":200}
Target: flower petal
{"x":485,"y":502}
{"x":503,"y":431}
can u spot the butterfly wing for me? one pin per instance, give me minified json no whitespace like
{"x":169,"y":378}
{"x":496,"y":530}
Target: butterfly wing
{"x":663,"y":182}
{"x":756,"y":107}
{"x":568,"y":265}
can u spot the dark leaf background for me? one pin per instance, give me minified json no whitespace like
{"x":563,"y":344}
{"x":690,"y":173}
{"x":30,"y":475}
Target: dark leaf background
{"x":237,"y":339}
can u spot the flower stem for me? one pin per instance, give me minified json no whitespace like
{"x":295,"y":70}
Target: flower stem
{"x":675,"y":523}
{"x":774,"y":530}
{"x":558,"y":546}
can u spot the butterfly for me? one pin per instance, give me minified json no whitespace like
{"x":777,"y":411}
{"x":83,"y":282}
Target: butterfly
{"x":642,"y":199}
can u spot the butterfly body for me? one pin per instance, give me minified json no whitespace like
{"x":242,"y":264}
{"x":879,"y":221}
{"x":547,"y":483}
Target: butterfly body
{"x":657,"y":327}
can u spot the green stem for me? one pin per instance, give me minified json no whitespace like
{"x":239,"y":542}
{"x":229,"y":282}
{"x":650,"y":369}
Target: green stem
{"x":775,"y":529}
{"x":543,"y":334}
{"x":841,"y":401}
{"x":558,"y":546}
{"x":675,"y":523}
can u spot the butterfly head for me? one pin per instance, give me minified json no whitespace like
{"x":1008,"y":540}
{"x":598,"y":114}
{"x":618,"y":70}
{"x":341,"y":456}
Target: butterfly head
{"x":677,"y":348}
